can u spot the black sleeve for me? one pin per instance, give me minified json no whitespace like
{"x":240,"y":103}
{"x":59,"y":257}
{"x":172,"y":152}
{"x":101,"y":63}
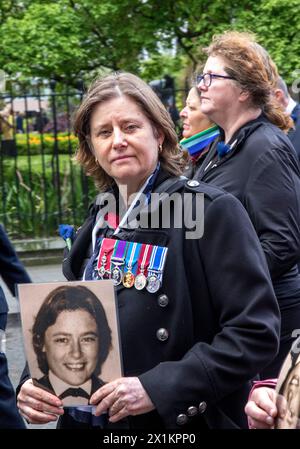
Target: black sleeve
{"x":245,"y":310}
{"x":11,"y":269}
{"x":272,"y":199}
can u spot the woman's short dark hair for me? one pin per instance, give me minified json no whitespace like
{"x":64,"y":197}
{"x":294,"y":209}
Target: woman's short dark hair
{"x":117,"y":85}
{"x":70,"y":298}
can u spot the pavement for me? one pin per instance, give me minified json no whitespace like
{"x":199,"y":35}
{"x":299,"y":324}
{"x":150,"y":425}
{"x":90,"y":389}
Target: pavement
{"x":14,"y":340}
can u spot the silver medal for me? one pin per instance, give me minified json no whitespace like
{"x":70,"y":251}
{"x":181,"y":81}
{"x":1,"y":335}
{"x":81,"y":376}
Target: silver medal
{"x":153,"y":284}
{"x":116,"y":276}
{"x":101,"y":271}
{"x":140,"y":281}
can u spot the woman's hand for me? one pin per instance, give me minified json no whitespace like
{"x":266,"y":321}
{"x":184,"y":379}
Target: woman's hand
{"x":38,"y":406}
{"x":261,"y":409}
{"x":122,"y":397}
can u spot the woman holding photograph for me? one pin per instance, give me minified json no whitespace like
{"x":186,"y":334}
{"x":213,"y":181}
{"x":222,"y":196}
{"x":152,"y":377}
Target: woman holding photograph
{"x":197,"y":312}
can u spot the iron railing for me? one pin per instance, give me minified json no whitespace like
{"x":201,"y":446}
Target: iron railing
{"x":40,"y":185}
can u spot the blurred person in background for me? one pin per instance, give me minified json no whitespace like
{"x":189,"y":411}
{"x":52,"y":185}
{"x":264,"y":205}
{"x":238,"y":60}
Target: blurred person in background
{"x":293,"y":109}
{"x":198,"y":131}
{"x":12,"y":272}
{"x":8,"y":143}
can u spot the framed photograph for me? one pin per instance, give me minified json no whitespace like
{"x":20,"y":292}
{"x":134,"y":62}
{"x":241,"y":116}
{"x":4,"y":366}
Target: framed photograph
{"x":288,"y":390}
{"x":71,"y":337}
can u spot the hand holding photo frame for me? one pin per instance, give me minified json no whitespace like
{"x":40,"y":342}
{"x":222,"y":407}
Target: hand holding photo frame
{"x":71,"y":337}
{"x":288,"y":390}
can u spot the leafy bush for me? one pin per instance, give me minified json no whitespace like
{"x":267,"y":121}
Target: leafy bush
{"x":39,"y":193}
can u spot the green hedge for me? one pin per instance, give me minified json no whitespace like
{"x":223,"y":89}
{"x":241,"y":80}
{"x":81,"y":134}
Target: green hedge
{"x":31,"y":194}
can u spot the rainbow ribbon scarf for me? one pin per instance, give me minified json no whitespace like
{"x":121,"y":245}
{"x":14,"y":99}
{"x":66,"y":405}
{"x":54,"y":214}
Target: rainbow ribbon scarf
{"x":196,"y":144}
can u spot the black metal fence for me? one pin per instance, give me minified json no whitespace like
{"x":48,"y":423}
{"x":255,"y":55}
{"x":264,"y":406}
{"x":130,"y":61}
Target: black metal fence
{"x":40,"y":185}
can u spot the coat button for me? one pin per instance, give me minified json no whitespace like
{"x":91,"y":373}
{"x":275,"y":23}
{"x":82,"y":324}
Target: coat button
{"x":193,"y":183}
{"x":192,"y":411}
{"x":181,"y":419}
{"x":202,"y":407}
{"x":163,"y":300}
{"x":162,"y":334}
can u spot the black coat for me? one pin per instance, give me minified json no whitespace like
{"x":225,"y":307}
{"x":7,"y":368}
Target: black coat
{"x":12,"y":272}
{"x":294,"y":134}
{"x":262,"y":171}
{"x":217,"y":305}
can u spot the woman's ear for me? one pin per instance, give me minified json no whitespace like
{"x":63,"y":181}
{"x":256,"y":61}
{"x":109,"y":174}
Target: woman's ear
{"x":160,"y":137}
{"x":244,"y":96}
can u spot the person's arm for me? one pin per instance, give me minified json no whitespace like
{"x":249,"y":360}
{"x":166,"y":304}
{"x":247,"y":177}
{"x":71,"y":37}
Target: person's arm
{"x":272,"y":202}
{"x":11,"y":269}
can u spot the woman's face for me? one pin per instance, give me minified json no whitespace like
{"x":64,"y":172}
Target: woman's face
{"x":124,"y":141}
{"x":193,"y":119}
{"x":222,"y":96}
{"x":72,"y":345}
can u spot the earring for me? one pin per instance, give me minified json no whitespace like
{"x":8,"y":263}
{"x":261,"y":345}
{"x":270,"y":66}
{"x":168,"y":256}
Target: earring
{"x":96,"y":161}
{"x":160,"y":148}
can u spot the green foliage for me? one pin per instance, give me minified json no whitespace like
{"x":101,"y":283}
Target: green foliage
{"x":32,"y":192}
{"x":68,"y":39}
{"x":277,"y":27}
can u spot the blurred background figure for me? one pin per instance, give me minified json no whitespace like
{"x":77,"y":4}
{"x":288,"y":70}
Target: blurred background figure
{"x":8,"y":143}
{"x":12,"y":272}
{"x":293,"y":109}
{"x":198,"y":131}
{"x":41,"y":121}
{"x":19,"y":122}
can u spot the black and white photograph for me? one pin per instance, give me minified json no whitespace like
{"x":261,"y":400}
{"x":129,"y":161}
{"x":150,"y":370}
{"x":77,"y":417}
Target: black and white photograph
{"x":71,"y":337}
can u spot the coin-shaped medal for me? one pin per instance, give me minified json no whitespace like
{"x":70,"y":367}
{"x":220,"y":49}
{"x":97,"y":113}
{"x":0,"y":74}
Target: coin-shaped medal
{"x":140,"y":281}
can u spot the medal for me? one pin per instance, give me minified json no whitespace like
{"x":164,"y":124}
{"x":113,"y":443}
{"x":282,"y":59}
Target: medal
{"x":128,"y":279}
{"x":118,"y":260}
{"x":153,"y":284}
{"x":131,"y":259}
{"x":116,"y":275}
{"x":105,"y":252}
{"x":156,"y":266}
{"x":101,"y":269}
{"x":141,"y":279}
